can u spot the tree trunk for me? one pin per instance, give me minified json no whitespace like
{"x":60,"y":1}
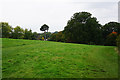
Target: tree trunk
{"x":45,"y":35}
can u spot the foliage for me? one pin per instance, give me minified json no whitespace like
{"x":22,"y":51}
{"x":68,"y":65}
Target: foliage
{"x":82,"y":28}
{"x":28,"y":34}
{"x":111,"y":39}
{"x":44,"y":28}
{"x":53,"y":37}
{"x":18,"y":33}
{"x":34,"y":35}
{"x":43,"y":35}
{"x":59,"y":37}
{"x":93,"y":31}
{"x":109,"y":28}
{"x":6,"y":29}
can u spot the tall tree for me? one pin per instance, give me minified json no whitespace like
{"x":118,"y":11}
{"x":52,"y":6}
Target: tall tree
{"x":93,"y":29}
{"x":82,"y":28}
{"x":28,"y":34}
{"x":111,"y":27}
{"x":107,"y":29}
{"x":34,"y":36}
{"x":44,"y":28}
{"x":18,"y":33}
{"x":111,"y":39}
{"x":6,"y":29}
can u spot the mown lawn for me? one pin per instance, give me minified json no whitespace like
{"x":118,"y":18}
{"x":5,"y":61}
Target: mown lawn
{"x":45,"y":59}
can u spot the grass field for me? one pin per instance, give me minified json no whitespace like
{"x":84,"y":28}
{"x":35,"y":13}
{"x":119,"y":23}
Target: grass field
{"x":45,"y":59}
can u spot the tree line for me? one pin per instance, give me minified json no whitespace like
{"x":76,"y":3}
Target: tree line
{"x":82,"y":28}
{"x":17,"y":32}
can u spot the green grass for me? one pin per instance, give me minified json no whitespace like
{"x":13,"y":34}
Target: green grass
{"x":45,"y":59}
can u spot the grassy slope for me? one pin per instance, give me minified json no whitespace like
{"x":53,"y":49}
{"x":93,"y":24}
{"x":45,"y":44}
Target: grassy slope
{"x":44,"y":59}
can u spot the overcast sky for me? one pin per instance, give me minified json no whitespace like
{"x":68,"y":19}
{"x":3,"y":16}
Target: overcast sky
{"x":32,"y":14}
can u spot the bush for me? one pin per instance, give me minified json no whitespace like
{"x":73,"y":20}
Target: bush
{"x":111,"y":39}
{"x":118,"y":43}
{"x":59,"y":37}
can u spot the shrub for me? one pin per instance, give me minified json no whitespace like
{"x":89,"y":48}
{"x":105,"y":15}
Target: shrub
{"x":111,"y":39}
{"x":118,"y":43}
{"x":59,"y":37}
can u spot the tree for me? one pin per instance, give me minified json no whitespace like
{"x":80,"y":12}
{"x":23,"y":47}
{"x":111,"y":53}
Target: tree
{"x":34,"y":36}
{"x":59,"y":37}
{"x":6,"y":29}
{"x":44,"y":28}
{"x":93,"y":29}
{"x":110,"y":27}
{"x":111,"y":39}
{"x":28,"y":34}
{"x":53,"y":37}
{"x":82,"y":28}
{"x":18,"y":33}
{"x":48,"y":35}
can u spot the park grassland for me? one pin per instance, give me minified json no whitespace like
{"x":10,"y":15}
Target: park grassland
{"x":46,"y":59}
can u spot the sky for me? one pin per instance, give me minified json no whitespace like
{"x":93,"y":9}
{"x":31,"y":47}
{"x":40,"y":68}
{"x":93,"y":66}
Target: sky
{"x":32,"y":14}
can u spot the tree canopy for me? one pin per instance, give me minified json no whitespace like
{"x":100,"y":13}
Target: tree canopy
{"x":44,"y":28}
{"x":28,"y":34}
{"x":6,"y":29}
{"x":82,"y":28}
{"x":111,"y":27}
{"x":18,"y":33}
